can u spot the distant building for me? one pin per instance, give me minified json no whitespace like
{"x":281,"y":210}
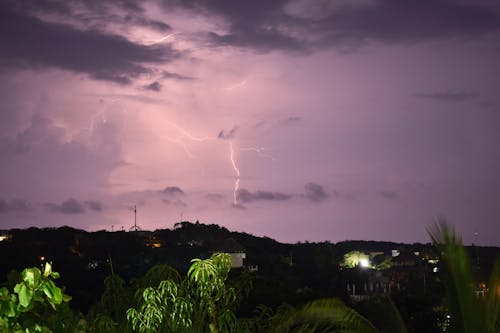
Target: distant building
{"x":405,"y":260}
{"x":237,"y":259}
{"x":235,"y":250}
{"x":4,"y":237}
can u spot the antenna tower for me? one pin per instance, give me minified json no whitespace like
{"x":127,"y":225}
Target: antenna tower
{"x":135,"y":227}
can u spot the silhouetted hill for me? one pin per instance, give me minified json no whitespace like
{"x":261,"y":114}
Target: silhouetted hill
{"x":291,"y":272}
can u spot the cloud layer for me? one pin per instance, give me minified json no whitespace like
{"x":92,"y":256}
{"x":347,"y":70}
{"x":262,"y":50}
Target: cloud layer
{"x":361,"y":118}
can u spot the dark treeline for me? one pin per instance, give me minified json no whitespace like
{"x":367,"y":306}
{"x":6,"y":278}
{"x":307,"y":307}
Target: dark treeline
{"x":281,"y":273}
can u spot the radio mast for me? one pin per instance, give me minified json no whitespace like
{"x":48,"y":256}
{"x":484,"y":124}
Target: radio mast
{"x":135,"y":227}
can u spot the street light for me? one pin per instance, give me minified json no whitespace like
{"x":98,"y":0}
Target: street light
{"x":364,"y":263}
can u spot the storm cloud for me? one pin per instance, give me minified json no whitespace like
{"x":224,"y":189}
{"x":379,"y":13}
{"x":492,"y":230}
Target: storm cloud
{"x":15,"y":205}
{"x":29,"y":42}
{"x":122,"y":103}
{"x":226,"y":135}
{"x":288,"y":25}
{"x":94,"y":205}
{"x":315,"y":192}
{"x":155,"y":86}
{"x":245,"y":196}
{"x":173,"y":190}
{"x":69,"y":206}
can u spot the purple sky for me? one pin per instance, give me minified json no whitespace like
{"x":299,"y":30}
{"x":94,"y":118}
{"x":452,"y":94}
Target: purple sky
{"x":294,"y":119}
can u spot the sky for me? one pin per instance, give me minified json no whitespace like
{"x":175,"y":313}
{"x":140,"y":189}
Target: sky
{"x":299,"y":120}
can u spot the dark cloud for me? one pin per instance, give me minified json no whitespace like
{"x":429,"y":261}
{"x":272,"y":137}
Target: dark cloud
{"x":225,"y":135}
{"x":94,"y":205}
{"x":263,"y":39}
{"x":70,"y":7}
{"x":265,"y":25}
{"x":155,"y":86}
{"x":449,"y":96}
{"x":153,"y":24}
{"x":175,"y":76}
{"x":388,"y":194}
{"x":214,"y":196}
{"x":315,"y":192}
{"x":15,"y":205}
{"x":245,"y":196}
{"x":126,"y":12}
{"x":173,"y":190}
{"x":70,"y":206}
{"x":28,"y":42}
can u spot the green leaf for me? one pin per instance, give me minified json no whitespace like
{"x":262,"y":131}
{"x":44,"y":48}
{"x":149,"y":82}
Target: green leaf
{"x":4,"y":293}
{"x":25,"y":294}
{"x":29,"y":276}
{"x":9,"y":309}
{"x":66,"y":298}
{"x":52,"y":292}
{"x":47,"y":271}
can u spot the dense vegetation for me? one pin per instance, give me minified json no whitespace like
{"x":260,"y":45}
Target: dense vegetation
{"x":209,"y":296}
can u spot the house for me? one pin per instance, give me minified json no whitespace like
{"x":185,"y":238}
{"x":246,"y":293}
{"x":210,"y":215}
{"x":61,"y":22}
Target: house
{"x":235,"y":250}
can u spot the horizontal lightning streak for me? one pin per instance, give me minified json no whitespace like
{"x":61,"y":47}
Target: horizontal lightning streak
{"x":187,"y":134}
{"x":237,"y":85}
{"x":259,"y":150}
{"x":164,"y":38}
{"x":184,"y":135}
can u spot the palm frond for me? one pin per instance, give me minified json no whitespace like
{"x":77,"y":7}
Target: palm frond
{"x":463,"y":304}
{"x":492,"y":306}
{"x":324,"y":315}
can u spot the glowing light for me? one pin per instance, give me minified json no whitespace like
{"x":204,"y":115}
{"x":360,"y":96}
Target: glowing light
{"x":364,"y":263}
{"x":237,"y":171}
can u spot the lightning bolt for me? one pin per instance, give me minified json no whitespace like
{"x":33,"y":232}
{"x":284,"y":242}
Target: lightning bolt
{"x":99,"y":116}
{"x":160,"y":40}
{"x":93,"y":119}
{"x":184,"y":134}
{"x":184,"y":147}
{"x":259,"y":150}
{"x":234,"y":86}
{"x":237,"y":171}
